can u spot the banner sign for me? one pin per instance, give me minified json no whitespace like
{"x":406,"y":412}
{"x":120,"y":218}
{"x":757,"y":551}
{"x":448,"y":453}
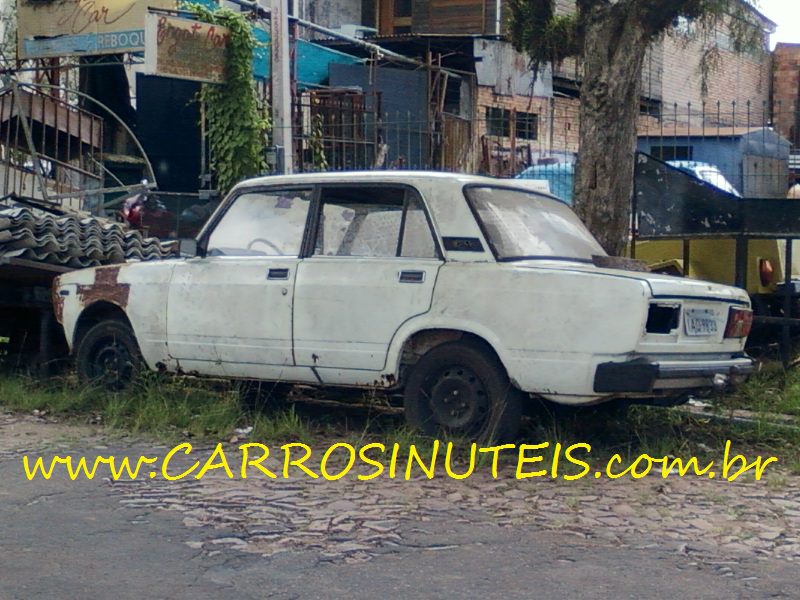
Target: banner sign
{"x":47,"y":28}
{"x":185,"y":49}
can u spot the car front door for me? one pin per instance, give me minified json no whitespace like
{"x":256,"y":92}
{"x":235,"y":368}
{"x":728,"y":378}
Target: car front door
{"x":230,"y":311}
{"x":373,"y":267}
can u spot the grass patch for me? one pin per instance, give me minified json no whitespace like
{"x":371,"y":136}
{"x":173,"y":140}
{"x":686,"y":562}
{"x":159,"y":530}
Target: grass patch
{"x":659,"y":432}
{"x":164,"y":407}
{"x":770,"y":391}
{"x":175,"y":408}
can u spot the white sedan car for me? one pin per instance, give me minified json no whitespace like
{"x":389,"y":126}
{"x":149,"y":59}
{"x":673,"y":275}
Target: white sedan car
{"x":470,"y":294}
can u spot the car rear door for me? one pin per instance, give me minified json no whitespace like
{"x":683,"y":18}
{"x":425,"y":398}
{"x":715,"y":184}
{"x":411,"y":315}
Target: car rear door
{"x":373,"y":266}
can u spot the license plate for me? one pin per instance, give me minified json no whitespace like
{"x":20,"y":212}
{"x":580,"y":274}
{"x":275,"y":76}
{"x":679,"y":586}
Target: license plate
{"x":700,"y":322}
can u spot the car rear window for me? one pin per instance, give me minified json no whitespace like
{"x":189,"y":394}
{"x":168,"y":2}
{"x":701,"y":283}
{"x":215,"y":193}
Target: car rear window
{"x":523,"y":225}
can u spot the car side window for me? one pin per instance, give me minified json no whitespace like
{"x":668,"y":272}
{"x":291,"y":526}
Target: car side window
{"x":371,"y":222}
{"x":417,"y":238}
{"x":268,"y":223}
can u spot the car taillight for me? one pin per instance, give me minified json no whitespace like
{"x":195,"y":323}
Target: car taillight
{"x":740,"y":321}
{"x":766,"y":272}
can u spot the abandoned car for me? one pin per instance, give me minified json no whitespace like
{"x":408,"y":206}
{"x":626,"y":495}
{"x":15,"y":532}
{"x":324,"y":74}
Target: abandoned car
{"x":468,"y":294}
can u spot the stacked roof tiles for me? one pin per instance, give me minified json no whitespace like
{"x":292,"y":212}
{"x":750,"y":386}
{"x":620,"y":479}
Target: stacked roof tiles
{"x":74,"y":240}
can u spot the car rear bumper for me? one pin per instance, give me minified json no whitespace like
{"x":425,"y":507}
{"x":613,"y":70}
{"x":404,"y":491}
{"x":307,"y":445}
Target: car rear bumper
{"x":643,"y":376}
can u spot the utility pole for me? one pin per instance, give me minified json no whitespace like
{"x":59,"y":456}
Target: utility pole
{"x":281,"y":83}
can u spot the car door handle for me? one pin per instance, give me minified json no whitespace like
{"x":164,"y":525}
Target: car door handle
{"x":412,"y":276}
{"x":278,"y":274}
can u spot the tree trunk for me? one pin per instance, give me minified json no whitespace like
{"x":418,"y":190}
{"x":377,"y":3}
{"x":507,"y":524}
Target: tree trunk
{"x":614,"y":47}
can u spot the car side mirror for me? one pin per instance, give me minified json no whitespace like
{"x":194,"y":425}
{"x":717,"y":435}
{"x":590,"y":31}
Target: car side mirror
{"x":188,"y":248}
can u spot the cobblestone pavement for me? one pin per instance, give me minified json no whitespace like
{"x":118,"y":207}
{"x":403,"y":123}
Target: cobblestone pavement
{"x":350,"y":521}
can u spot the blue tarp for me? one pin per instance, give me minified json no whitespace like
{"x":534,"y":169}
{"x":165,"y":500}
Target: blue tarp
{"x":311,"y":60}
{"x":559,"y":175}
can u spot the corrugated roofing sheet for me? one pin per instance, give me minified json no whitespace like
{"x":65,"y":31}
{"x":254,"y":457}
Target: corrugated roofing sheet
{"x":74,"y":241}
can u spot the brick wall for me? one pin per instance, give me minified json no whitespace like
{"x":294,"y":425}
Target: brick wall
{"x":672,"y":74}
{"x":558,"y":120}
{"x":786,"y":90}
{"x":739,"y":78}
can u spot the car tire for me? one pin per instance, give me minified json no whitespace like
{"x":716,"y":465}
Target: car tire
{"x":463,"y":390}
{"x":109,"y":356}
{"x":262,"y":396}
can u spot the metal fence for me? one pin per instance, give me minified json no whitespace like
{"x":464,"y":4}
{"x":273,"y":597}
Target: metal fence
{"x":749,"y":150}
{"x":342,"y":130}
{"x":743,"y":145}
{"x":55,"y":151}
{"x":49,"y":149}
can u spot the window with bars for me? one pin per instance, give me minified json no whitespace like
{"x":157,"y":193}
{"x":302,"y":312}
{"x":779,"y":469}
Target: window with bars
{"x":527,"y":126}
{"x":498,"y":123}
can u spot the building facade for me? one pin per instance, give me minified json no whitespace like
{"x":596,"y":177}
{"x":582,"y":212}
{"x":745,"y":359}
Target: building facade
{"x":786,"y":100}
{"x":786,"y":91}
{"x":518,"y":122}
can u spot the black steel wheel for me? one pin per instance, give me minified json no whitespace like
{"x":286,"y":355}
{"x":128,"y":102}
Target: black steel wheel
{"x":108,"y":356}
{"x":462,"y":389}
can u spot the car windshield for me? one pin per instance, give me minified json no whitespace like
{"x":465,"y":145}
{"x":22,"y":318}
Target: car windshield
{"x":523,"y":225}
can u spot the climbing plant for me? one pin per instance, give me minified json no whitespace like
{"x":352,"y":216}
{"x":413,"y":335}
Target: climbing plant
{"x":316,"y":144}
{"x":237,"y":122}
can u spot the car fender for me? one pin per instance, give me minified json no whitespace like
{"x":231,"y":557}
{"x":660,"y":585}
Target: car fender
{"x":425,"y":322}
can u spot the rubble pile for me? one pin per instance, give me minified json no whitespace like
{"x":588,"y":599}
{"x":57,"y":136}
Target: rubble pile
{"x":74,"y":240}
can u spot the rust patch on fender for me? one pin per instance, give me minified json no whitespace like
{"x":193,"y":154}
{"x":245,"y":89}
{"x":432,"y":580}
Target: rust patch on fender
{"x":385,"y":382}
{"x":105,"y":287}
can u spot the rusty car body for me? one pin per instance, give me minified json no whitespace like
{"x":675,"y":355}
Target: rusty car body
{"x":469,"y":294}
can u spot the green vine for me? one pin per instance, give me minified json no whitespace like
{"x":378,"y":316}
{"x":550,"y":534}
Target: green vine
{"x":237,"y":123}
{"x":316,"y":144}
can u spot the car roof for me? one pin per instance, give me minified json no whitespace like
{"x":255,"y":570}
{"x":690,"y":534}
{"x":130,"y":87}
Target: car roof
{"x":386,"y":176}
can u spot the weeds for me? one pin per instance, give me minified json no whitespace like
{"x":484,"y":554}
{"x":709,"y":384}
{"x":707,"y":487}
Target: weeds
{"x":284,"y":425}
{"x":166,"y":408}
{"x":770,"y":391}
{"x":171,"y":408}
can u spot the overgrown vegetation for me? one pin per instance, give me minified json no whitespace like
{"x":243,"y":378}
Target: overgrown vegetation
{"x":316,"y":145}
{"x":237,"y":122}
{"x":164,"y":407}
{"x":172,"y":409}
{"x":771,"y":391}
